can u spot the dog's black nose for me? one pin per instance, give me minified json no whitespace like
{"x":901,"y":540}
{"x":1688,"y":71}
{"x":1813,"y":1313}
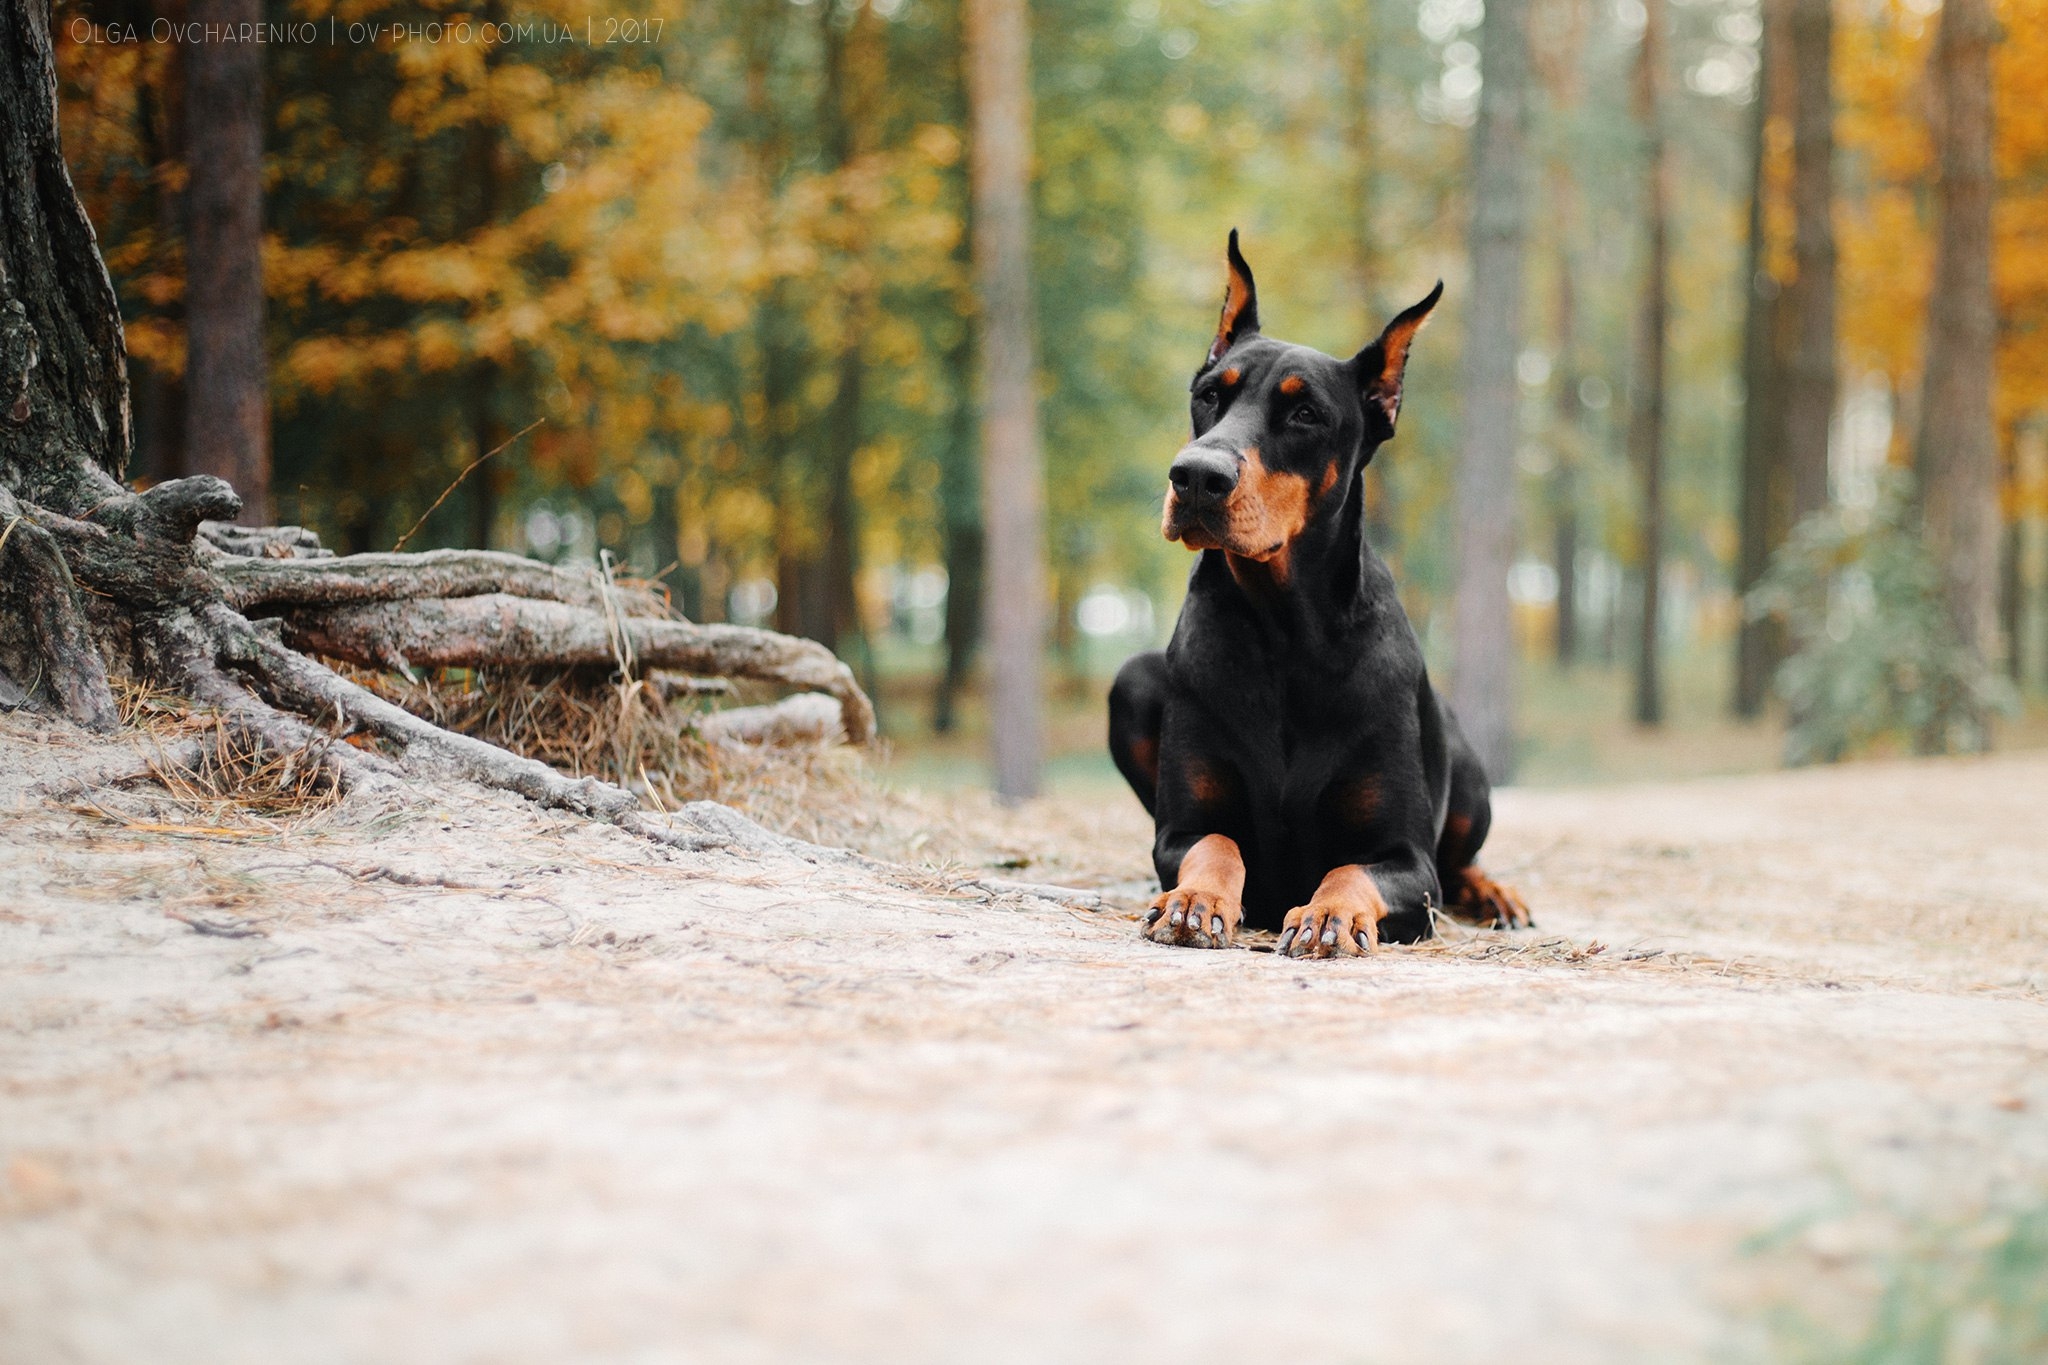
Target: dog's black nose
{"x":1202,"y":476}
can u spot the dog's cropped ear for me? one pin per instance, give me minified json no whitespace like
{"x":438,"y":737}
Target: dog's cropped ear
{"x":1381,"y":365}
{"x":1240,"y":306}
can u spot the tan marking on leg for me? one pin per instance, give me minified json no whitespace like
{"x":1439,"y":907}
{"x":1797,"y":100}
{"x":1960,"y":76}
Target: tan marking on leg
{"x":1206,"y":902}
{"x":1341,"y":920}
{"x":1145,"y":752}
{"x":1204,"y":781}
{"x":1362,"y":800}
{"x":1482,"y":900}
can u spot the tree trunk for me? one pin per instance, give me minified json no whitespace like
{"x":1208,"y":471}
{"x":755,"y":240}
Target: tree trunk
{"x":856,"y":79}
{"x":1559,"y":57}
{"x":1569,"y":415}
{"x":1810,"y":301}
{"x":1763,"y":498}
{"x":1646,"y":419}
{"x":962,"y":544}
{"x":227,"y":374}
{"x":2012,"y":596}
{"x":1013,"y":497}
{"x":1483,"y":638}
{"x":1357,"y":38}
{"x":960,"y":510}
{"x":92,"y":574}
{"x":1958,"y":455}
{"x":487,"y":432}
{"x":160,"y":395}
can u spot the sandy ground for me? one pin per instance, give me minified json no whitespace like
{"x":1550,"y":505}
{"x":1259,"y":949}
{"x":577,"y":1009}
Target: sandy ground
{"x":469,"y":1083}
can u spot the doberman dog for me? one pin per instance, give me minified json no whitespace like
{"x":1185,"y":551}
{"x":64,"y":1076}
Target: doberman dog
{"x":1302,"y":773}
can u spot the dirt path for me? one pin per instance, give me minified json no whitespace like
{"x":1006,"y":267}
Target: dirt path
{"x":591,"y":1101}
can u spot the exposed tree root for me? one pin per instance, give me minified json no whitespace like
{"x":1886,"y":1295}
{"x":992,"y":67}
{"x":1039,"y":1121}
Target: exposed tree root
{"x":498,"y":630}
{"x":186,"y":636}
{"x":66,"y":666}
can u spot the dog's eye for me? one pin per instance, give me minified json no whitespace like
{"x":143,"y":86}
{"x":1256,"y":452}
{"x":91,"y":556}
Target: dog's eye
{"x":1306,"y":415}
{"x":1205,"y":401}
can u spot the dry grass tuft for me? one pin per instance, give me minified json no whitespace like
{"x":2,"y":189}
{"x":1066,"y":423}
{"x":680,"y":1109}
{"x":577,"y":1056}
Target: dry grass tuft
{"x":585,"y":723}
{"x":236,"y":789}
{"x":237,"y":779}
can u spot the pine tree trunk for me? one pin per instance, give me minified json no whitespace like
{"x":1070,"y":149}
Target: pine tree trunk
{"x":227,"y":372}
{"x":1483,"y":683}
{"x":1646,"y":419}
{"x":856,"y":78}
{"x":999,"y":90}
{"x":1560,"y":58}
{"x":1810,"y":301}
{"x":961,"y":544}
{"x":159,"y":394}
{"x":1763,"y":499}
{"x":1958,"y":452}
{"x":1568,"y":413}
{"x":960,"y":507}
{"x":1358,"y":41}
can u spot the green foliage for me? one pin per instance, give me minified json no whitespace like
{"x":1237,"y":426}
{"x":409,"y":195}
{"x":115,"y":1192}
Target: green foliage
{"x":1977,"y":1295}
{"x":1875,"y":654}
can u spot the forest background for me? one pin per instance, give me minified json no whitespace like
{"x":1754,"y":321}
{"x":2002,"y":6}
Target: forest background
{"x":701,"y":273}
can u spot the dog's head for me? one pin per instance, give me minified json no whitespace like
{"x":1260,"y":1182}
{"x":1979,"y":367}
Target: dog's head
{"x":1278,"y":429}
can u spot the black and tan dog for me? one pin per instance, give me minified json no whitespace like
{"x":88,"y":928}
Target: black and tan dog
{"x":1302,"y":773}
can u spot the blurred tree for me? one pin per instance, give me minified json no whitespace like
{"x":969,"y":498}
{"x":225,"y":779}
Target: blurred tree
{"x":1359,"y":45}
{"x":227,"y":370}
{"x":961,"y":542}
{"x":1763,"y":495}
{"x":1809,"y":398}
{"x":1958,"y":455}
{"x":856,"y":73}
{"x":1647,"y":380}
{"x":1560,"y":56}
{"x":1483,"y":676}
{"x":999,"y":91}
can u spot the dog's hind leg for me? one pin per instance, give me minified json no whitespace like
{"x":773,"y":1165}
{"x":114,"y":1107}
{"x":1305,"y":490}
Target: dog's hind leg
{"x":1137,"y":709}
{"x":1469,"y":893}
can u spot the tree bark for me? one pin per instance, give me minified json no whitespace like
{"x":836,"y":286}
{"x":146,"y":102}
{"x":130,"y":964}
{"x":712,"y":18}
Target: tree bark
{"x":856,"y":78}
{"x":1356,"y":36}
{"x":1568,"y":414}
{"x":962,"y":544}
{"x":1013,"y":496}
{"x":1483,"y":638}
{"x":960,"y":511}
{"x":1958,"y":454}
{"x":1810,"y":301}
{"x":1646,"y":418}
{"x":2012,"y":596}
{"x":227,"y":373}
{"x":1559,"y":58}
{"x":1763,"y":497}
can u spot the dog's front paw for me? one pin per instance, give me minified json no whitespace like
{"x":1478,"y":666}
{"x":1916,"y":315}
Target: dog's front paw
{"x":1341,"y":920}
{"x":1329,"y":930}
{"x":1191,"y":917}
{"x":1485,"y":901}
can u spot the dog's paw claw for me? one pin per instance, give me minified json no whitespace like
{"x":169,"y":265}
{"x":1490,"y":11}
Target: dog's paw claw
{"x":1485,"y":901}
{"x":1328,"y":930}
{"x":1192,"y":919}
